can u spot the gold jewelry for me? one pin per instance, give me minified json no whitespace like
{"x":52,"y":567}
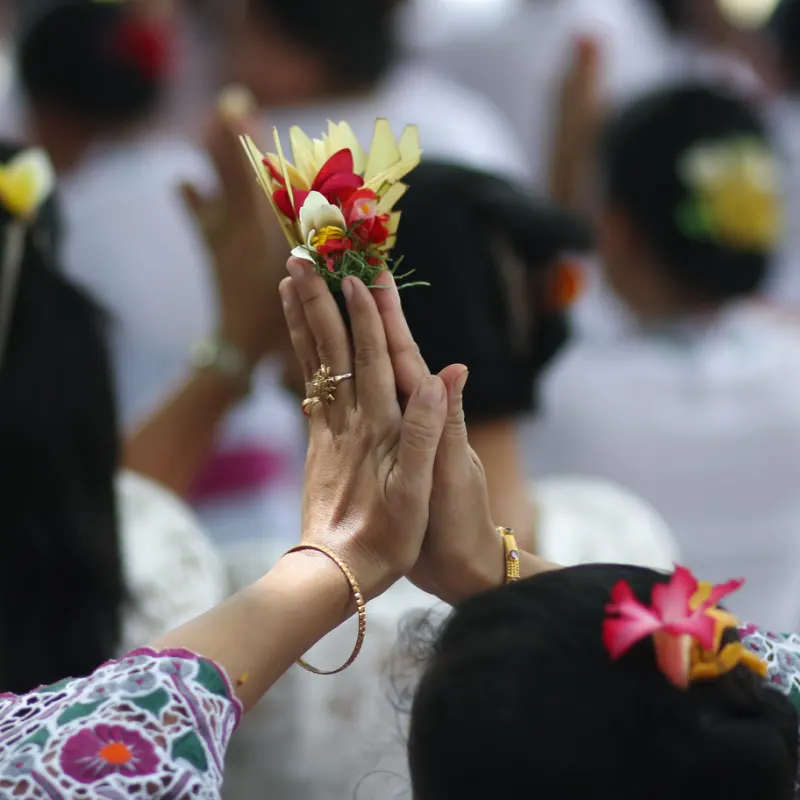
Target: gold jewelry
{"x":323,"y":388}
{"x":511,"y":554}
{"x":360,"y":605}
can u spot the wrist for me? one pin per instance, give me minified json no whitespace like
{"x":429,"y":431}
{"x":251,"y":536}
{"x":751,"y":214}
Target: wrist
{"x":226,"y":358}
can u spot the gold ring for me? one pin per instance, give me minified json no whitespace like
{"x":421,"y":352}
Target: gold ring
{"x":323,"y":388}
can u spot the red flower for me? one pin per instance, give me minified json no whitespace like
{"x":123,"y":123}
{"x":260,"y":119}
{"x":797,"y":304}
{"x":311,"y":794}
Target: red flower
{"x":147,"y":45}
{"x":335,"y":181}
{"x":361,"y":210}
{"x":331,"y":249}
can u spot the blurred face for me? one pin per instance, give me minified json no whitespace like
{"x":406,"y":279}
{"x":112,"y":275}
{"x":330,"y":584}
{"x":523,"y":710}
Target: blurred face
{"x":278,"y":70}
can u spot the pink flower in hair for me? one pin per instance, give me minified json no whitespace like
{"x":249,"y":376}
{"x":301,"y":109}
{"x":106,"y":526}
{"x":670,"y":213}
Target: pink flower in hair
{"x":682,"y":613}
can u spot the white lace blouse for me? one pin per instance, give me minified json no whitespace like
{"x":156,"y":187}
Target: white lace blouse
{"x":172,"y":569}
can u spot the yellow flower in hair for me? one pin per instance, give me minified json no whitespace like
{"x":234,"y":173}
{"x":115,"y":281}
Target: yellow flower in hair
{"x":26,"y":182}
{"x":735,"y":194}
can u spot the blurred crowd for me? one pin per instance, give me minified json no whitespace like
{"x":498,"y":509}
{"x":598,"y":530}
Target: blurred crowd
{"x":605,"y":213}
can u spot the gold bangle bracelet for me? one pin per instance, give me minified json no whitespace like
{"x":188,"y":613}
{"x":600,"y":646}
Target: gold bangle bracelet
{"x":360,"y":606}
{"x":511,"y":555}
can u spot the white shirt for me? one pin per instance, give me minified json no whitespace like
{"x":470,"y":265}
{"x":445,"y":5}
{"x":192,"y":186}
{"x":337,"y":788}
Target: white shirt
{"x":520,"y":63}
{"x":784,"y":118}
{"x":702,"y":422}
{"x":172,"y":570}
{"x":131,"y":243}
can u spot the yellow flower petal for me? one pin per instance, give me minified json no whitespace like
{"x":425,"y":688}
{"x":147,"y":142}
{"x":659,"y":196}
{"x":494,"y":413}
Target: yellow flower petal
{"x":26,"y":182}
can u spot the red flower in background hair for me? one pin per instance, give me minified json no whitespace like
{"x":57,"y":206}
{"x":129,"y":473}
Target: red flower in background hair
{"x":147,"y":44}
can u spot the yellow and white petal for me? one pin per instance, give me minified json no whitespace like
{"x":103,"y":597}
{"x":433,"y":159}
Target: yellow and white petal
{"x":26,"y":182}
{"x":303,"y":154}
{"x":342,"y":138}
{"x":318,"y":213}
{"x":302,"y":252}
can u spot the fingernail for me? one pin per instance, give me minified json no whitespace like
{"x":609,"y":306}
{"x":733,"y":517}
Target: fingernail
{"x":348,"y":288}
{"x":431,"y":392}
{"x":461,"y":382}
{"x":296,"y":268}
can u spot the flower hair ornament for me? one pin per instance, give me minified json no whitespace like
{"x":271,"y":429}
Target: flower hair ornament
{"x":26,"y":182}
{"x":335,"y":203}
{"x":734,"y":192}
{"x":686,"y":626}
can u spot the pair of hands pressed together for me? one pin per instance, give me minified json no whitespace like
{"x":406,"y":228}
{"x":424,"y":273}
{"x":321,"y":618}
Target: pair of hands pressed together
{"x":393,"y":493}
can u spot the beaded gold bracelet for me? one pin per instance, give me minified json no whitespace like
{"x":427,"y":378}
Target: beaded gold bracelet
{"x":360,"y":606}
{"x":511,"y":555}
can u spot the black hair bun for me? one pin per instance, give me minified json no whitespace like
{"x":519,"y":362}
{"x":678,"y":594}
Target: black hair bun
{"x":644,"y":151}
{"x":105,"y":62}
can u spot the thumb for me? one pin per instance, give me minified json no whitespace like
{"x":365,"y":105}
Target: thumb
{"x":423,"y":423}
{"x":455,"y":379}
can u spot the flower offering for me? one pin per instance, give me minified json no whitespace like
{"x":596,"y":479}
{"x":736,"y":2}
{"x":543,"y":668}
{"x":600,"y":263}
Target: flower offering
{"x":335,"y":202}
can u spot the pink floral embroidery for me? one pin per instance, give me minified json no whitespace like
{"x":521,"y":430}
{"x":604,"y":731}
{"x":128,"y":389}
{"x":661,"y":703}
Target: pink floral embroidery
{"x":104,"y":750}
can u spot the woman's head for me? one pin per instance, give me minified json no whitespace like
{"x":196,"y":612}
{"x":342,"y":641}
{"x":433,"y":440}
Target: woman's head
{"x":690,"y":200}
{"x":287,"y":52}
{"x":62,"y":590}
{"x":99,"y":65}
{"x":491,"y":254}
{"x":520,"y":693}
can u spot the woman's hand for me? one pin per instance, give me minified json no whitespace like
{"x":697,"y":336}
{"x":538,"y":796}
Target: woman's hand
{"x":369,"y":469}
{"x":462,"y":553}
{"x":247,"y":250}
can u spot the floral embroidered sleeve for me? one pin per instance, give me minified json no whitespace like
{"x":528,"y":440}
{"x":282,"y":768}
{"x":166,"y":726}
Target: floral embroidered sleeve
{"x":151,"y":725}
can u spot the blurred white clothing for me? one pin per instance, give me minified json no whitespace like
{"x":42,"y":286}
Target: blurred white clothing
{"x":292,"y":741}
{"x":454,"y":123}
{"x":131,"y":243}
{"x":172,"y":570}
{"x":702,"y":421}
{"x":784,"y":118}
{"x":520,"y":63}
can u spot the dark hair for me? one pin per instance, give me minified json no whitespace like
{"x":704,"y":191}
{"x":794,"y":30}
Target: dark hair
{"x":672,"y":13}
{"x":324,"y":26}
{"x":784,"y":29}
{"x":62,"y":591}
{"x":488,"y":250}
{"x":104,"y":62}
{"x":522,"y":699}
{"x":641,"y":152}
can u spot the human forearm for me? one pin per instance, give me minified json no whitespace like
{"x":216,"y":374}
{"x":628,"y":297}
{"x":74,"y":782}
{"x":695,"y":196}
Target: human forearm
{"x":259,"y":633}
{"x":170,"y":446}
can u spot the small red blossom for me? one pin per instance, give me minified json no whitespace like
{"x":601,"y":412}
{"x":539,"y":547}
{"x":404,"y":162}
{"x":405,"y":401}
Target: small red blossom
{"x":148,"y":45}
{"x":336,"y":182}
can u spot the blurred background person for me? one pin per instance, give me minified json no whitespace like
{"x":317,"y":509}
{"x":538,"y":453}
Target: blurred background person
{"x":304,"y":74}
{"x":695,"y":406}
{"x":94,"y":78}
